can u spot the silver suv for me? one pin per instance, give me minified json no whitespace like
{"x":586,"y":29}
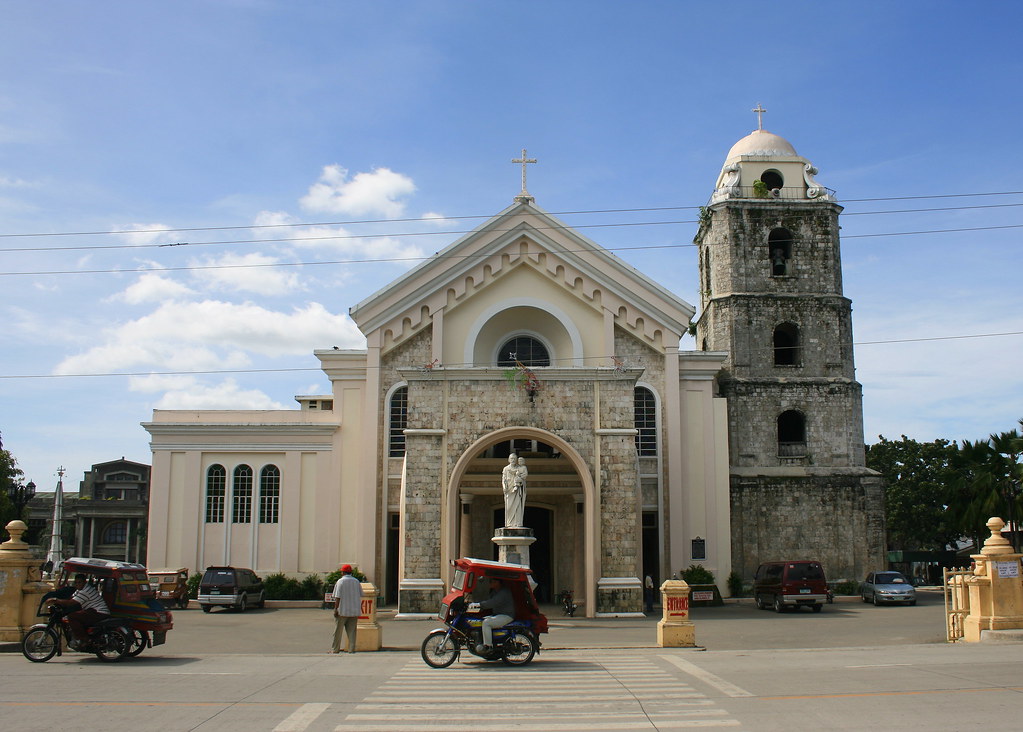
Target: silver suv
{"x":231,"y":586}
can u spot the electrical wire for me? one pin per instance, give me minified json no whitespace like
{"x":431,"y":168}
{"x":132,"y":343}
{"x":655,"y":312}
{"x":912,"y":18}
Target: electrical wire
{"x":605,"y":358}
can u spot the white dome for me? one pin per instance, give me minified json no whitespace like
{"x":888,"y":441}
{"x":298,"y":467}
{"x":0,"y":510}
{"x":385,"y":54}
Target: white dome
{"x":764,"y":144}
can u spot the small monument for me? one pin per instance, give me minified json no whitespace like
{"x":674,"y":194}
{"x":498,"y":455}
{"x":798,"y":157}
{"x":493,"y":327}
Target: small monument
{"x":514,"y":539}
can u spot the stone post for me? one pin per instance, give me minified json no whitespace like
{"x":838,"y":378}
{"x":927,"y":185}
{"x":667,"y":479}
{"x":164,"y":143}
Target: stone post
{"x":513,"y":544}
{"x":996,"y":588}
{"x":20,"y":585}
{"x":369,"y":637}
{"x":675,"y":629}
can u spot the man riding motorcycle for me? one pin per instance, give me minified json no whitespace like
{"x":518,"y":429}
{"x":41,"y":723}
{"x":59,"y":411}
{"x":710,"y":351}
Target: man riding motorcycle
{"x":503,"y":605}
{"x":91,"y":607}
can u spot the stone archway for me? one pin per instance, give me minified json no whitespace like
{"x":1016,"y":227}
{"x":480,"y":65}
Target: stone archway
{"x":588,"y":549}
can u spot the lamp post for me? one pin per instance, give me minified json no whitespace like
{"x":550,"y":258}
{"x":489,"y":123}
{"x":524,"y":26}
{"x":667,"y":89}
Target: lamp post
{"x":20,"y":495}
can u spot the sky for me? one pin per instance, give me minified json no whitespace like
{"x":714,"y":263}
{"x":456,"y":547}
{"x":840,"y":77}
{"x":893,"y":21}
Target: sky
{"x":307,"y":153}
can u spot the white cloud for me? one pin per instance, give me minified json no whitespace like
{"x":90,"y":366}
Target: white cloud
{"x":212,"y":335}
{"x":6,"y":182}
{"x":366,"y":194}
{"x":141,"y":234}
{"x":251,"y":272}
{"x":225,"y":395}
{"x":153,"y":288}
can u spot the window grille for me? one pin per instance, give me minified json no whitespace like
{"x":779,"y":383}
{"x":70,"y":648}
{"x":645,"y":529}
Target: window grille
{"x":398,"y":421}
{"x":216,"y":484}
{"x":527,"y":350}
{"x":269,"y":494}
{"x":241,"y":504}
{"x":646,"y":422}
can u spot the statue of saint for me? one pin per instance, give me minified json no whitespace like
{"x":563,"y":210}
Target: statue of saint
{"x":513,"y":481}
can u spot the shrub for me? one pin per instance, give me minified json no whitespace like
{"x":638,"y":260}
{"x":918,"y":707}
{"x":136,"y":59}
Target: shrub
{"x":312,"y":588}
{"x":279,"y":586}
{"x":697,"y":574}
{"x":736,"y":587}
{"x":193,"y":585}
{"x":331,"y":579}
{"x":846,"y":587}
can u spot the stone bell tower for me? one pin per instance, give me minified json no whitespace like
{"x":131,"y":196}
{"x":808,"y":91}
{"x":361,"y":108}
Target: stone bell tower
{"x":771,"y":297}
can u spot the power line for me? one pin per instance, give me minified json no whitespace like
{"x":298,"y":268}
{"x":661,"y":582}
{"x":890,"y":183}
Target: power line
{"x":460,"y":365}
{"x":433,"y":219}
{"x":380,"y":260}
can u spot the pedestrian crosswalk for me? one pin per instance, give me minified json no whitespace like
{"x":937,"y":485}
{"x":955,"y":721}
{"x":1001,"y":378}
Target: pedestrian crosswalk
{"x":619,"y":693}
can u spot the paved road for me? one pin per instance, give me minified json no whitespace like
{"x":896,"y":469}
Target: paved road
{"x":265,"y":670}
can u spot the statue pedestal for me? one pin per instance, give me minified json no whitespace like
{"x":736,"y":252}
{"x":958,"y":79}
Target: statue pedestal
{"x":513,"y":544}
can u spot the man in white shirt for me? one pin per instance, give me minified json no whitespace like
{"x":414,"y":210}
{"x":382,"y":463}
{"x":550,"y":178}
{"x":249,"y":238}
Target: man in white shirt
{"x":91,"y":608}
{"x":347,"y":608}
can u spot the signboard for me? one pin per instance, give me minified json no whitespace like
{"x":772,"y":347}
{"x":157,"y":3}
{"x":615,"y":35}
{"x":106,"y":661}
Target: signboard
{"x":698,"y":595}
{"x":676,"y":607}
{"x":1007,"y":570}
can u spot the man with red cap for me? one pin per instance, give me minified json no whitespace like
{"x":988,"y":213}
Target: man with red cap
{"x":347,"y":608}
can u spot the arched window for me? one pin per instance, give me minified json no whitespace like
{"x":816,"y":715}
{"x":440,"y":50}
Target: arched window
{"x":216,"y":485}
{"x":786,"y":345}
{"x":269,"y":494}
{"x":397,"y":422}
{"x":779,"y":250}
{"x":791,"y":434}
{"x":241,"y":494}
{"x":525,"y":349}
{"x":115,"y":533}
{"x":646,"y":421}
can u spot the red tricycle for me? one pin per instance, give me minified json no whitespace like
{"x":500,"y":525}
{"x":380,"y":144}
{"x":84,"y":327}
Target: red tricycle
{"x":129,"y":594}
{"x":515,"y":643}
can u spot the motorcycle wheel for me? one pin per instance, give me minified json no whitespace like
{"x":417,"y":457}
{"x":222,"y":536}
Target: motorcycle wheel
{"x":439,"y":650}
{"x":39,"y":644}
{"x":138,"y":641}
{"x":111,"y":645}
{"x":519,"y":649}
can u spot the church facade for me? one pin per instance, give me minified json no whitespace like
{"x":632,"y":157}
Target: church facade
{"x":525,"y":336}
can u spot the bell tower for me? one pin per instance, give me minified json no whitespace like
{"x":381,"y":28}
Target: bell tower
{"x":771,"y":297}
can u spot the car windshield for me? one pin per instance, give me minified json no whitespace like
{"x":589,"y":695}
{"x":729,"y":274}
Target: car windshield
{"x":219,"y":577}
{"x":889,"y":578}
{"x":805,"y":572}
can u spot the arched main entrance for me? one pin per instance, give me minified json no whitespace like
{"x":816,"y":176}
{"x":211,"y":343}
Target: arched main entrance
{"x":559,"y":503}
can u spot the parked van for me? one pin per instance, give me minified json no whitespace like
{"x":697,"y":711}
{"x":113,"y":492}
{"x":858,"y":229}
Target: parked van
{"x":784,"y":585}
{"x":230,"y":586}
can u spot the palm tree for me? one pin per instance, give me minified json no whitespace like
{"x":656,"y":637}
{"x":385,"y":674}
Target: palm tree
{"x":990,"y":477}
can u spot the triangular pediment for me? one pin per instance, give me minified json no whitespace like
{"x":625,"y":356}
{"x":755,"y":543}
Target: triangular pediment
{"x":524,"y":237}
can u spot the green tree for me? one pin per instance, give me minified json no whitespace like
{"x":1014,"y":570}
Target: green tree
{"x":919,"y":480}
{"x":988,"y":481}
{"x":10,"y":475}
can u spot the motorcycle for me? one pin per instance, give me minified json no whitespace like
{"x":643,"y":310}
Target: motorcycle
{"x":515,"y":643}
{"x":108,"y":639}
{"x":568,"y":605}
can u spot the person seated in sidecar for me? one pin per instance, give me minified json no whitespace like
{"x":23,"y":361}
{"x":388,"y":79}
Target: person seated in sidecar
{"x":502,"y":604}
{"x":91,"y":608}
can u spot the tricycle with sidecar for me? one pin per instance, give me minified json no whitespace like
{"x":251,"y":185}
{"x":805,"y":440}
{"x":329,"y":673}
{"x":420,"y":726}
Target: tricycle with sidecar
{"x":516,"y":643}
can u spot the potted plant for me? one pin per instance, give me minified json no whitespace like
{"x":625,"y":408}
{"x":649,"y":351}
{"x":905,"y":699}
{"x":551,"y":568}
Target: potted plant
{"x":703,"y":592}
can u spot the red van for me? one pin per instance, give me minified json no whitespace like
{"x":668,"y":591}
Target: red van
{"x":792,"y":584}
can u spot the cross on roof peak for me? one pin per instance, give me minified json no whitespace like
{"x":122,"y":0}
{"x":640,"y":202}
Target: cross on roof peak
{"x":524,"y":161}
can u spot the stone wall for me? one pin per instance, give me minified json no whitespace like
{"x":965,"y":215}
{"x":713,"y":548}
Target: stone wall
{"x":835,"y":519}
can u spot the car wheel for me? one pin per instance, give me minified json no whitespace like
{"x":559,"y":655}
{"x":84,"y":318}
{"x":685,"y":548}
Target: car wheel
{"x":243,"y":603}
{"x":761,"y":605}
{"x":912,"y":602}
{"x":863,"y":596}
{"x":876,"y":603}
{"x":262,"y":601}
{"x":817,"y":607}
{"x":206,"y":608}
{"x":779,"y":606}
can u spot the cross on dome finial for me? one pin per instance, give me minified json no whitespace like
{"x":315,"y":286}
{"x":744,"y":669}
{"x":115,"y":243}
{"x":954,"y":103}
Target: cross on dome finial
{"x":525,"y":161}
{"x":759,"y":109}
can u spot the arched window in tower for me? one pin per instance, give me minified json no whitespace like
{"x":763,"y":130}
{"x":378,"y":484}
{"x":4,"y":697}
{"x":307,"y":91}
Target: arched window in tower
{"x":786,"y":345}
{"x":397,"y":422}
{"x":773,"y":180}
{"x":527,"y":350}
{"x":779,"y":247}
{"x":269,"y":494}
{"x":791,"y":434}
{"x":241,"y":495}
{"x":646,"y":422}
{"x":216,"y":487}
{"x":115,"y":532}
